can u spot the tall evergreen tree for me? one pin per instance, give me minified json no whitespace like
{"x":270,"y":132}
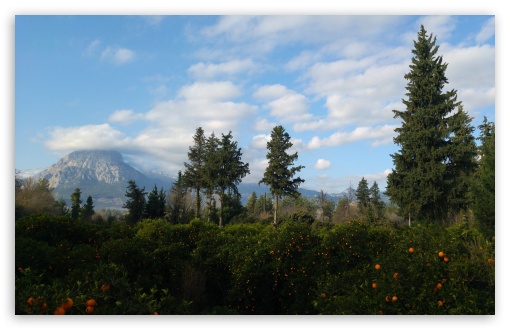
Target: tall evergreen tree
{"x":376,"y":204}
{"x":484,"y":185}
{"x":155,"y":206}
{"x":230,"y":170}
{"x":178,"y":203}
{"x":210,"y":174}
{"x":76,"y":204}
{"x":363,"y":194}
{"x":88,"y":209}
{"x":279,"y":174}
{"x":426,"y":182}
{"x":250,"y":204}
{"x":135,"y":203}
{"x":193,"y":176}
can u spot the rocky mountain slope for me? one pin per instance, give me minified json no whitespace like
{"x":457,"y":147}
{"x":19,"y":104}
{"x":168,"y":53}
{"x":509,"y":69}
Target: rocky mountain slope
{"x":102,"y":174}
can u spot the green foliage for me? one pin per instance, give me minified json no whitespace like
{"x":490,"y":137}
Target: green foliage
{"x":76,"y":204}
{"x":194,"y":170}
{"x":437,"y":150}
{"x":135,"y":203}
{"x":156,"y":203}
{"x":484,"y":185}
{"x":298,"y":267}
{"x":279,"y":174}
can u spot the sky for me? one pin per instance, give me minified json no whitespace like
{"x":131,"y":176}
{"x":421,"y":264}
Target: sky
{"x":143,"y":84}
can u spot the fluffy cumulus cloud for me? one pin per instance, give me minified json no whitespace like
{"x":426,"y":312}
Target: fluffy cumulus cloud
{"x":205,"y":71}
{"x":103,"y":136}
{"x":322,"y":164}
{"x":124,"y":116}
{"x":284,"y":104}
{"x":379,"y":135}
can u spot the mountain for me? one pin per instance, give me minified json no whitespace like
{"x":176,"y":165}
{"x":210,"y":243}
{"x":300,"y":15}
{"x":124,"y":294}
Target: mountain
{"x":104,"y":175}
{"x":101,"y":174}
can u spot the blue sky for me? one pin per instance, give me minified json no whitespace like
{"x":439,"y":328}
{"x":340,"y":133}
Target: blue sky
{"x":143,"y":84}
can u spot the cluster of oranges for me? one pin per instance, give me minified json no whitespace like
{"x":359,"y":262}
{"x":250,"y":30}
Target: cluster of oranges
{"x":90,"y":304}
{"x":31,"y":302}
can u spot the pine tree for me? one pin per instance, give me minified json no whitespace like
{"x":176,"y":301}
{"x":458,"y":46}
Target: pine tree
{"x":250,"y":204}
{"x":76,"y":204}
{"x":193,"y":176}
{"x":363,"y":194}
{"x":426,"y":182}
{"x":88,"y":209}
{"x":376,"y":204}
{"x":210,"y":174}
{"x":155,"y":206}
{"x":135,"y":203}
{"x":279,"y":174}
{"x":178,"y":201}
{"x":484,"y":185}
{"x":230,"y":170}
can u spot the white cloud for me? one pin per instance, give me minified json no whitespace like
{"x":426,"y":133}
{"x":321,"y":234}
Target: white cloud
{"x":118,"y":55}
{"x":86,"y":137}
{"x":209,"y":91}
{"x":209,"y":70}
{"x":263,"y":125}
{"x":440,"y":26}
{"x":124,"y":116}
{"x":260,"y":141}
{"x":284,"y":103}
{"x":322,"y":164}
{"x":381,"y":135}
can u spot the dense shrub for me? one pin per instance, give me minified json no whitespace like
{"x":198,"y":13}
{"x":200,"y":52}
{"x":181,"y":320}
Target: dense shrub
{"x":299,"y":267}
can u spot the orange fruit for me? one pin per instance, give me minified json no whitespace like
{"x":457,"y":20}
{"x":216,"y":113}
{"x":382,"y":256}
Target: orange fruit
{"x":377,"y":266}
{"x":30,"y":301}
{"x":411,"y":250}
{"x":490,"y":261}
{"x":323,"y":295}
{"x":387,"y":299}
{"x":59,"y":311}
{"x":44,"y":306}
{"x":394,"y":298}
{"x":68,"y":303}
{"x":395,"y":275}
{"x":105,"y":287}
{"x":441,"y":254}
{"x":440,"y":303}
{"x":89,"y":310}
{"x":445,"y":259}
{"x":427,"y":264}
{"x":90,"y":303}
{"x":439,"y":285}
{"x":374,"y":285}
{"x":155,"y":313}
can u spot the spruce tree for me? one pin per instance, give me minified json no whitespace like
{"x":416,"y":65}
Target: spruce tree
{"x":88,"y":209}
{"x":363,"y":194}
{"x":426,"y":182}
{"x":155,"y":206}
{"x":193,"y":176}
{"x":230,"y":170}
{"x":76,"y":204}
{"x":135,"y":202}
{"x":376,"y":204}
{"x":210,"y":174}
{"x":279,"y":174}
{"x":484,"y":185}
{"x":250,"y":204}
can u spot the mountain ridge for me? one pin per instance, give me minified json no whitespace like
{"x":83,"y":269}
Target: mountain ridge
{"x":104,"y":175}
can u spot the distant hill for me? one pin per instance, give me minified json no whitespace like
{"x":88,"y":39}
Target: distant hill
{"x":104,"y":175}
